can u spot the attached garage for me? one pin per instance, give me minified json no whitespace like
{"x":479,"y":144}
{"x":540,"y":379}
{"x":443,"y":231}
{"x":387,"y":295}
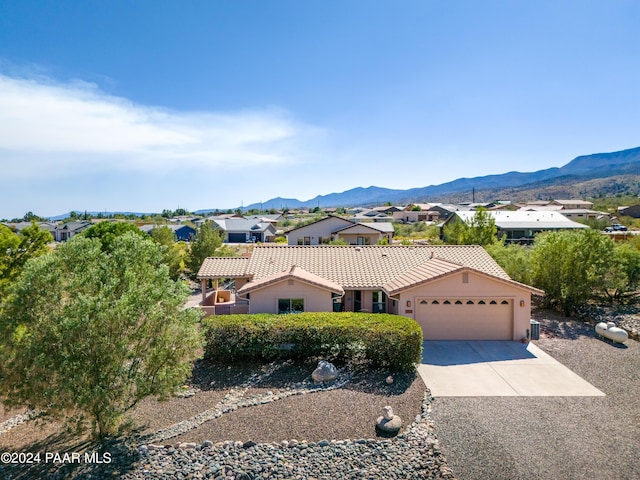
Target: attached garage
{"x":237,"y":237}
{"x":465,"y":318}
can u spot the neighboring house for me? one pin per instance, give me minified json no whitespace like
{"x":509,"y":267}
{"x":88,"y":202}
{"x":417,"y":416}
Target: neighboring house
{"x":455,"y":292}
{"x":428,"y":213}
{"x":571,"y":213}
{"x":242,"y":230}
{"x":582,"y":214}
{"x":372,"y":215}
{"x":183,"y":233}
{"x":572,"y":203}
{"x":521,"y":226}
{"x":19,"y":226}
{"x":332,"y":227}
{"x":540,"y":208}
{"x":388,"y":209}
{"x":66,"y":231}
{"x":221,"y":216}
{"x":267,"y":218}
{"x":504,"y":205}
{"x":632,"y":211}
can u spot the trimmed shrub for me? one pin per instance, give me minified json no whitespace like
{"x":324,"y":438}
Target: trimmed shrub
{"x":383,"y":340}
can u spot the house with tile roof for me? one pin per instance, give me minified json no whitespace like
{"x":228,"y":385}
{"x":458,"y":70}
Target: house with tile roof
{"x":332,"y":227}
{"x":454,"y":292}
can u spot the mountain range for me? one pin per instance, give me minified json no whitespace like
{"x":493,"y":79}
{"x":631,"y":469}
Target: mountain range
{"x":599,"y":174}
{"x":571,"y":180}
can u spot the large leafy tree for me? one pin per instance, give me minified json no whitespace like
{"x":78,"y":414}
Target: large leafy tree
{"x":622,"y":282}
{"x":107,"y":232}
{"x":174,"y":253}
{"x":17,"y":249}
{"x":95,"y":331}
{"x":479,"y":230}
{"x":514,"y":259}
{"x":205,"y":244}
{"x":571,"y":267}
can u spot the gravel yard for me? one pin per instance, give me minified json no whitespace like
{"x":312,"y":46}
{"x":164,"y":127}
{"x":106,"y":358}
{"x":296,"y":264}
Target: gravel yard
{"x":515,"y":438}
{"x":337,"y":424}
{"x":330,"y":434}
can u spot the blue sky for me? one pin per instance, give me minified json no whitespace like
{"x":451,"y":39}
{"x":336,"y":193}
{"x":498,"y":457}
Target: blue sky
{"x":146,"y":105}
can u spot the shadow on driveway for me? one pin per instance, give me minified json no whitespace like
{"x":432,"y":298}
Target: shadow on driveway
{"x":449,"y":352}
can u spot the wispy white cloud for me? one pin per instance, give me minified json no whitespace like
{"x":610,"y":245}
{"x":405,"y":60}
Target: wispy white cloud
{"x":47,"y":126}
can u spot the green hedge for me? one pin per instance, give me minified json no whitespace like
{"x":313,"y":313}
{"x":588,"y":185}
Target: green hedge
{"x":384,"y":340}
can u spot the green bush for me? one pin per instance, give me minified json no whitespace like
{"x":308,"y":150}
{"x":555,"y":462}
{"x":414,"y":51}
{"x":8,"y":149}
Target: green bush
{"x":383,"y":340}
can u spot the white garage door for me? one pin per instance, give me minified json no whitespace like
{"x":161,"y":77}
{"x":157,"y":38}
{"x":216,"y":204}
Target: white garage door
{"x":465,"y":318}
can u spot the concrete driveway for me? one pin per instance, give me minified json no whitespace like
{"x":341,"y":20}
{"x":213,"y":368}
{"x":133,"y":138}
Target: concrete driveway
{"x":497,"y":369}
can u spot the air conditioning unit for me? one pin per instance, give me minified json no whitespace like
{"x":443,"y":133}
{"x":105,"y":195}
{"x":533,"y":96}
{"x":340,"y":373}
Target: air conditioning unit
{"x":535,"y":330}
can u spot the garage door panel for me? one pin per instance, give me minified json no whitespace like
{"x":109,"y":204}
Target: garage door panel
{"x":465,"y":319}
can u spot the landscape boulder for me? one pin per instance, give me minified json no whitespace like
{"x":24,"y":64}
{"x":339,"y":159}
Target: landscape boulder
{"x":325,"y":372}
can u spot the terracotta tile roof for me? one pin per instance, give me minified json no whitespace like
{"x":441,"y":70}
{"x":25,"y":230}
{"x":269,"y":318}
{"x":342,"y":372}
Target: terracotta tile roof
{"x":429,"y":270}
{"x":362,"y":266}
{"x":223,"y":267}
{"x":293,"y":273}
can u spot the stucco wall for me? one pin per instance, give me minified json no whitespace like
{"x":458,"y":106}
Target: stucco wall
{"x":316,"y":230}
{"x":352,"y":238}
{"x":265,"y":300}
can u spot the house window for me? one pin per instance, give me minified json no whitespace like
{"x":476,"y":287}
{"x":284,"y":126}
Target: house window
{"x":320,"y":240}
{"x":290,"y":305}
{"x":307,"y":240}
{"x":357,"y":301}
{"x":379,"y":302}
{"x":300,"y":241}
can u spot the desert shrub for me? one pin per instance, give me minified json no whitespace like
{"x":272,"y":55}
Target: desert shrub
{"x":382,"y":340}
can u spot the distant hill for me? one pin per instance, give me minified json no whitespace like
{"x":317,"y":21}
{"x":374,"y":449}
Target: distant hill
{"x":512,"y":185}
{"x":600,"y":174}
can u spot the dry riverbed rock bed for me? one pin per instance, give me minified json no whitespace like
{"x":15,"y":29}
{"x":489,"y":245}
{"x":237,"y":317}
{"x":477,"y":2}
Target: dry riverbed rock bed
{"x":248,"y":422}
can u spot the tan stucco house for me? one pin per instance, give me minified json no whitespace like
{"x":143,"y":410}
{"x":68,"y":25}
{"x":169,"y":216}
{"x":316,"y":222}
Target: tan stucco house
{"x":454,"y":292}
{"x":332,"y":227}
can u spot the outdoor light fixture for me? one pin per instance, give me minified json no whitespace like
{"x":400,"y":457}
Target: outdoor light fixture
{"x":408,"y":303}
{"x":522,"y":303}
